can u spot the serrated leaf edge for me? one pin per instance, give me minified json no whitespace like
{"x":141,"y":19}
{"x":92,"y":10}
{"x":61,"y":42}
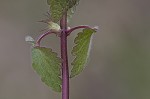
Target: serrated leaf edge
{"x":42,"y":78}
{"x":74,"y":53}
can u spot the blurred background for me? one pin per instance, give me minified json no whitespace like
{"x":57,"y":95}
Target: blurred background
{"x":119,"y":63}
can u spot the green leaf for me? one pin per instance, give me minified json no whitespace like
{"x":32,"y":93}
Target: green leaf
{"x":47,"y":65}
{"x":81,"y":51}
{"x":58,"y":7}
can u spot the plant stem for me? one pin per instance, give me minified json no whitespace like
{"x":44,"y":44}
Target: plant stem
{"x":64,"y":56}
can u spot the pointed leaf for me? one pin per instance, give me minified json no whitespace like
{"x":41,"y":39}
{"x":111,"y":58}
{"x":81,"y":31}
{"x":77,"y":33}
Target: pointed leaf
{"x":81,"y":51}
{"x":47,"y":65}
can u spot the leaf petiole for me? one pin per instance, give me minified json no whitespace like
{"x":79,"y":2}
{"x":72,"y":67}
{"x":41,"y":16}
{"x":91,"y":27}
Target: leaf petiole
{"x":79,"y":27}
{"x":43,"y":35}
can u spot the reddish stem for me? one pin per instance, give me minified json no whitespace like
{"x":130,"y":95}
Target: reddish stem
{"x":42,"y":36}
{"x":64,"y":56}
{"x":79,"y":27}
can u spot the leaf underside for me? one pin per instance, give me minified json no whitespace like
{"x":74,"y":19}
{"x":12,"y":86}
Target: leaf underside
{"x":81,"y":51}
{"x":58,"y":7}
{"x":47,"y":65}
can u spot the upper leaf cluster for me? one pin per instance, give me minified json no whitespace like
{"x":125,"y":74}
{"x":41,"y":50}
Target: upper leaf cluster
{"x":59,"y":7}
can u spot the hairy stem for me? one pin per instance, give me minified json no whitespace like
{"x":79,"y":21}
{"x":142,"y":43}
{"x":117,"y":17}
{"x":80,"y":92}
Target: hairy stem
{"x":64,"y":56}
